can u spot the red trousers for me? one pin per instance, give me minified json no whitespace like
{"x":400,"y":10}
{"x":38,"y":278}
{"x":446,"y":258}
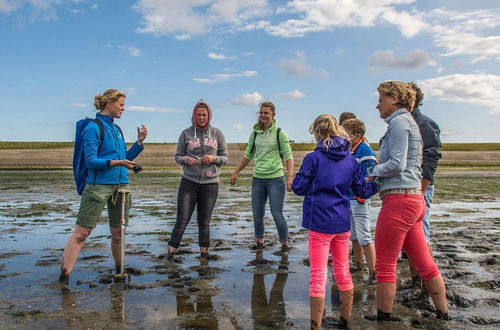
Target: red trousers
{"x":399,"y":226}
{"x":320,"y":245}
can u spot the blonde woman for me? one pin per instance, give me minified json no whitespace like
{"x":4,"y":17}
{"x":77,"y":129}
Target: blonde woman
{"x":268,"y":146}
{"x":399,"y":223}
{"x":108,"y":163}
{"x":324,"y":180}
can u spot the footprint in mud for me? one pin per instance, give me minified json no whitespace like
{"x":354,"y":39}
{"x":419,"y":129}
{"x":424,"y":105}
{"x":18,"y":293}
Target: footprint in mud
{"x":47,"y":261}
{"x":458,"y":274}
{"x":492,"y":285}
{"x":459,"y":301}
{"x":490,"y":260}
{"x":415,"y":300}
{"x":479,"y":248}
{"x":481,"y":320}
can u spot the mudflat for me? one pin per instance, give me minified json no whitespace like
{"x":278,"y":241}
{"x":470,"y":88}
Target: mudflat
{"x":238,"y":287}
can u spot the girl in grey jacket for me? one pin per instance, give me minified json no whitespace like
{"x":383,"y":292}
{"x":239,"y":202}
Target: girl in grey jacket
{"x":201,"y":151}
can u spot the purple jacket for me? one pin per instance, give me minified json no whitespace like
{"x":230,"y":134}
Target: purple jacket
{"x":324,"y":179}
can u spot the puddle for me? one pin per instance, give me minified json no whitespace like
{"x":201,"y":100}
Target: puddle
{"x":238,"y":288}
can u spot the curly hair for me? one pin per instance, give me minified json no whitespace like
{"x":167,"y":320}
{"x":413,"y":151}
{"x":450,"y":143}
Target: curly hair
{"x":419,"y":95}
{"x":403,"y":92}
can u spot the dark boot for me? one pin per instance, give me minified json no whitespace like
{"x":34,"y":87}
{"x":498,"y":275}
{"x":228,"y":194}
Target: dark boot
{"x":442,"y":316}
{"x":64,"y":277}
{"x":382,"y":316}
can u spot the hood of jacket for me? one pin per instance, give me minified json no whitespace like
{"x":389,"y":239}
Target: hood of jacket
{"x":195,"y":109}
{"x":338,"y":149}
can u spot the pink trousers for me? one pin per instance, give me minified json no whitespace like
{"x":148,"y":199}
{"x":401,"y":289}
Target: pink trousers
{"x":399,"y":226}
{"x":319,"y":247}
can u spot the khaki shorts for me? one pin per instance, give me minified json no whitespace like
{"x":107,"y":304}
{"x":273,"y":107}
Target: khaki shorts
{"x":95,"y":196}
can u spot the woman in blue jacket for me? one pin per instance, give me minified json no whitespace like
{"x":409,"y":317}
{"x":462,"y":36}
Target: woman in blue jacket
{"x":108,"y":163}
{"x":324,"y":179}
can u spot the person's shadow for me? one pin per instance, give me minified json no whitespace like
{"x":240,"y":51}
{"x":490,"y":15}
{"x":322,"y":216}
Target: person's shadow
{"x":269,"y":313}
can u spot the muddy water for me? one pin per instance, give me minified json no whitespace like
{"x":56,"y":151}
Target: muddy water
{"x":237,"y":288}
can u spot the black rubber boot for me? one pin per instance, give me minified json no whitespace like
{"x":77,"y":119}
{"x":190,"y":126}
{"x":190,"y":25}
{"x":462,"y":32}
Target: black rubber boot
{"x":382,"y":316}
{"x":442,"y":316}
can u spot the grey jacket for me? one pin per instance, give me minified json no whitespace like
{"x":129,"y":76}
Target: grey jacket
{"x":400,"y":153}
{"x":196,"y":142}
{"x":429,"y":131}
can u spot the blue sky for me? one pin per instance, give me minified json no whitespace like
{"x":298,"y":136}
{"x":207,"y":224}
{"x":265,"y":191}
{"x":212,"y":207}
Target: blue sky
{"x":308,"y":57}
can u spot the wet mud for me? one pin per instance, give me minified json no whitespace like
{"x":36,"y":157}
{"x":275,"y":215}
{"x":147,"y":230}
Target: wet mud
{"x":237,"y":287}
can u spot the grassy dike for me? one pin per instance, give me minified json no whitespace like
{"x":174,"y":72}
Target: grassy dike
{"x":242,"y":146}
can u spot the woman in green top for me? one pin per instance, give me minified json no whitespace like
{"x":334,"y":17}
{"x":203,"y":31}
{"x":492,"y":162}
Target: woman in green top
{"x":268,"y":146}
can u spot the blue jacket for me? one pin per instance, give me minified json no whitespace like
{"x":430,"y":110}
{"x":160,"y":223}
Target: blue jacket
{"x":113,"y":147}
{"x":430,"y":132}
{"x":324,"y":179}
{"x":366,"y":159}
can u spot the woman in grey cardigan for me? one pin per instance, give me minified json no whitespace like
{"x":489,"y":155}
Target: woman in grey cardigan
{"x":201,"y":151}
{"x":399,"y":224}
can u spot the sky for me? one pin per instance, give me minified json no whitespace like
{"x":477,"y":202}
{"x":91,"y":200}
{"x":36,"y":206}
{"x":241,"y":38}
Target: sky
{"x":308,"y":57}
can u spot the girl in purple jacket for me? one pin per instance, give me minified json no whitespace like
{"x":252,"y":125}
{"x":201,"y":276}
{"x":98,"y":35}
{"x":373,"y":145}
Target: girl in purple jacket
{"x":324,"y":180}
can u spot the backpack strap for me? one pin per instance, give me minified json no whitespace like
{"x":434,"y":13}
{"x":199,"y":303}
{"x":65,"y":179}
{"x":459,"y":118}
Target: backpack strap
{"x":253,"y":145}
{"x":101,"y":132}
{"x":278,"y":131}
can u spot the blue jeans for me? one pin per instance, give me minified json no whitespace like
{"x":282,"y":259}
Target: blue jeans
{"x":360,"y":222}
{"x":428,"y":196}
{"x":274,"y":189}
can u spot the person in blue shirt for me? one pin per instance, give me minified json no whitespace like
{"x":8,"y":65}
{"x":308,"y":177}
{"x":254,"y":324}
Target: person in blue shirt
{"x":361,"y":237}
{"x":108,"y":163}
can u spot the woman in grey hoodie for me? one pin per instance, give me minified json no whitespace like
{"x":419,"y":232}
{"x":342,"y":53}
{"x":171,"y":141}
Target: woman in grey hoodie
{"x":201,"y":151}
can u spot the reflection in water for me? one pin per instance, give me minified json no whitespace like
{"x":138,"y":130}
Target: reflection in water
{"x":75,"y":318}
{"x":360,"y":295}
{"x":117,"y":303}
{"x":198,"y":313}
{"x":272,"y":313}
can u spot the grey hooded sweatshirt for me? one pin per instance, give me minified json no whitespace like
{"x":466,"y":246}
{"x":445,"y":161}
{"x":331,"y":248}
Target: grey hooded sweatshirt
{"x":196,"y":142}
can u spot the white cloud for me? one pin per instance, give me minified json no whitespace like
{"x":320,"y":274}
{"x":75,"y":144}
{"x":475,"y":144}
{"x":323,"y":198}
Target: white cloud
{"x":134,"y":51}
{"x":409,"y":25}
{"x":6,"y":6}
{"x":445,"y":132}
{"x":79,"y":105}
{"x":480,"y":89}
{"x":95,"y":6}
{"x":466,"y":33}
{"x":296,"y":94}
{"x":129,"y":90}
{"x":152,"y":109}
{"x":249,"y":99}
{"x":220,"y":56}
{"x":320,"y":15}
{"x":388,"y":59}
{"x":293,"y":95}
{"x":76,"y":11}
{"x":299,"y":67}
{"x":225,"y":77}
{"x":196,"y":17}
{"x":239,"y":127}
